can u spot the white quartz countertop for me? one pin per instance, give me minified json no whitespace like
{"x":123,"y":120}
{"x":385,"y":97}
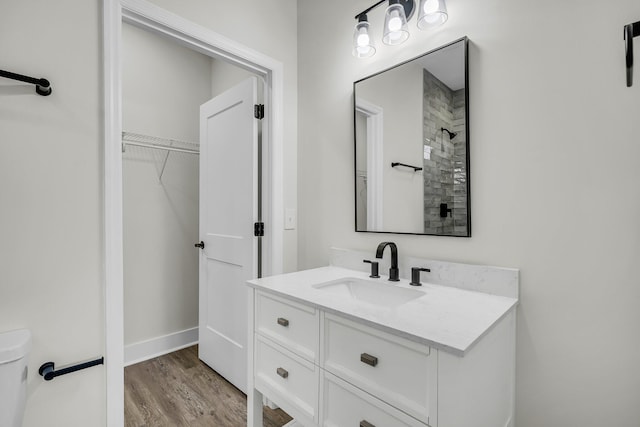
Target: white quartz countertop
{"x":447,"y":318}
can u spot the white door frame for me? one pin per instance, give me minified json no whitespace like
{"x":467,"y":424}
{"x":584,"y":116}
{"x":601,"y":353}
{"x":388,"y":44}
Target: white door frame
{"x":153,"y":18}
{"x":375,"y":162}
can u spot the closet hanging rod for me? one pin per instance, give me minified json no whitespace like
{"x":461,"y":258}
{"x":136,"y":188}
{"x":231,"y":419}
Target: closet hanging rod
{"x":158,"y":143}
{"x":43,"y":86}
{"x":162,"y":147}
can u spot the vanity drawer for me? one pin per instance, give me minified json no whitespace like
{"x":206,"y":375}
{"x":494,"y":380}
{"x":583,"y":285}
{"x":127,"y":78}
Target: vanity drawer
{"x":290,"y":381}
{"x":398,"y":371}
{"x":347,"y":406}
{"x":294,"y":326}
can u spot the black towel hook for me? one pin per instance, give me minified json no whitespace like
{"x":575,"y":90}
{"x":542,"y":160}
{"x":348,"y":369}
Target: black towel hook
{"x":630,"y":31}
{"x":43,"y":86}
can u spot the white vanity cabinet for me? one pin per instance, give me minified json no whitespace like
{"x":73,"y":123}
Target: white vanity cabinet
{"x":331,"y":367}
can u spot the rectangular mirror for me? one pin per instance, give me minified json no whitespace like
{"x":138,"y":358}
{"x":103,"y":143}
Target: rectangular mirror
{"x":412,"y":146}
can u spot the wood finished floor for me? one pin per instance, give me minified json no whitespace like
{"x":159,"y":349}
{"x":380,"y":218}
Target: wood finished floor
{"x":179,"y":390}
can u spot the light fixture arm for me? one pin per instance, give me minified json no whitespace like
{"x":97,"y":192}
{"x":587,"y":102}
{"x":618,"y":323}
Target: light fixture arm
{"x":409,"y":7}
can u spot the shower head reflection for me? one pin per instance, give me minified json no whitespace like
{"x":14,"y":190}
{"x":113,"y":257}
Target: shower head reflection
{"x":451,"y":134}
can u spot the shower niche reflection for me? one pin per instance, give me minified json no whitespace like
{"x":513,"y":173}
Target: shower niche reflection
{"x":412,"y":146}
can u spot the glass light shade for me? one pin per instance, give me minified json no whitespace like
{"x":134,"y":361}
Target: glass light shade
{"x":396,"y":30}
{"x":363,"y":46}
{"x":433,"y":13}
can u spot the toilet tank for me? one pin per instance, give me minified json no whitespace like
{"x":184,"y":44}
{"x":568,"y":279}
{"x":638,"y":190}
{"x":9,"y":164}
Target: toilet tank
{"x":14,"y":355}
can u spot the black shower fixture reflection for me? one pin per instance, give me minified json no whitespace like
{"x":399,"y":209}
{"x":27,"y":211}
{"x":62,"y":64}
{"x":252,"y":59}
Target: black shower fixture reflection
{"x":451,"y":134}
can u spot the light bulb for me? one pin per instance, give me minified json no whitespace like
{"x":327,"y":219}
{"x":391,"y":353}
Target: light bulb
{"x":363,"y":38}
{"x":395,"y":23}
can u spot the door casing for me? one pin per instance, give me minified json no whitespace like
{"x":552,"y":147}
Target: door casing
{"x":155,"y":19}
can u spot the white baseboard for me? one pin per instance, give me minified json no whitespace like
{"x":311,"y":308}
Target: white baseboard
{"x":145,"y":350}
{"x":293,"y":423}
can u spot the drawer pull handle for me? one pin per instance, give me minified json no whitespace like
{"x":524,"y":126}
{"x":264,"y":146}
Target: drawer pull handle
{"x":283,"y":322}
{"x":282,"y":372}
{"x":365,"y":423}
{"x":368,"y":359}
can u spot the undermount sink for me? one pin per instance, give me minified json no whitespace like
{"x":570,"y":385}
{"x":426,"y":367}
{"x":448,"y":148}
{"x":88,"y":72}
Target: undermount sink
{"x":370,"y":291}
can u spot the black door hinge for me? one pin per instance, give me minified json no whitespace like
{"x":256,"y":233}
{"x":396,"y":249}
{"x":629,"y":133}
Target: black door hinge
{"x":258,"y":229}
{"x":258,"y":111}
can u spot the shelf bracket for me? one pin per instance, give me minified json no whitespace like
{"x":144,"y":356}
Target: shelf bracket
{"x":164,"y":164}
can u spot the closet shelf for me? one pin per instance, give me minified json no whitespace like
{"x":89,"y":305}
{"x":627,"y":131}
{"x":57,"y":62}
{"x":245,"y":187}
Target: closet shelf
{"x":158,"y":143}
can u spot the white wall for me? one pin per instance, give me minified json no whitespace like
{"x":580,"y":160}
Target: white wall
{"x":225,"y":76}
{"x":554,"y":181}
{"x":164,"y":85}
{"x":51,"y":202}
{"x":399,"y":92}
{"x":51,"y":180}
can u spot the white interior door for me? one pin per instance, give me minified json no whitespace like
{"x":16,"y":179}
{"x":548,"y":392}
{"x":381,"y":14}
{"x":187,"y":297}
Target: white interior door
{"x":228,"y":211}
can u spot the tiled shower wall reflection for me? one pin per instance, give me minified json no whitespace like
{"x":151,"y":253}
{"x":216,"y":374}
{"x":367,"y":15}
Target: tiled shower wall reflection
{"x":444,"y":165}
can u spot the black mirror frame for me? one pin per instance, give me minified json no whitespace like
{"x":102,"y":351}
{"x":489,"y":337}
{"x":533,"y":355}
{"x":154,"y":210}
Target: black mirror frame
{"x":465,"y":41}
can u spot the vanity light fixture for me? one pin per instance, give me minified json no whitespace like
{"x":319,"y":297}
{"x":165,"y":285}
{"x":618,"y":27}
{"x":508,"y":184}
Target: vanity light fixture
{"x":396,"y":30}
{"x":363,"y":46}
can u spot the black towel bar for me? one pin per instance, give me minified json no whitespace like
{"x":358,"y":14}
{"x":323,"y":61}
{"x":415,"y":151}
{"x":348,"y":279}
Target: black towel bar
{"x":43,"y":86}
{"x":48,"y":372}
{"x":630,"y":31}
{"x":415,"y":168}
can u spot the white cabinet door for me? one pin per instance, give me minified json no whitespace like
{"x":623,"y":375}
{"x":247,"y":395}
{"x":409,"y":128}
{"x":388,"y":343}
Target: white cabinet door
{"x":228,"y":210}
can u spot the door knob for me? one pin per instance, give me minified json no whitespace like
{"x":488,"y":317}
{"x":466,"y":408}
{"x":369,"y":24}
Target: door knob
{"x":200,"y":245}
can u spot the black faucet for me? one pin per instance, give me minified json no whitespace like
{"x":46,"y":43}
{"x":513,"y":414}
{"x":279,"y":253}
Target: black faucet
{"x":393,"y":271}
